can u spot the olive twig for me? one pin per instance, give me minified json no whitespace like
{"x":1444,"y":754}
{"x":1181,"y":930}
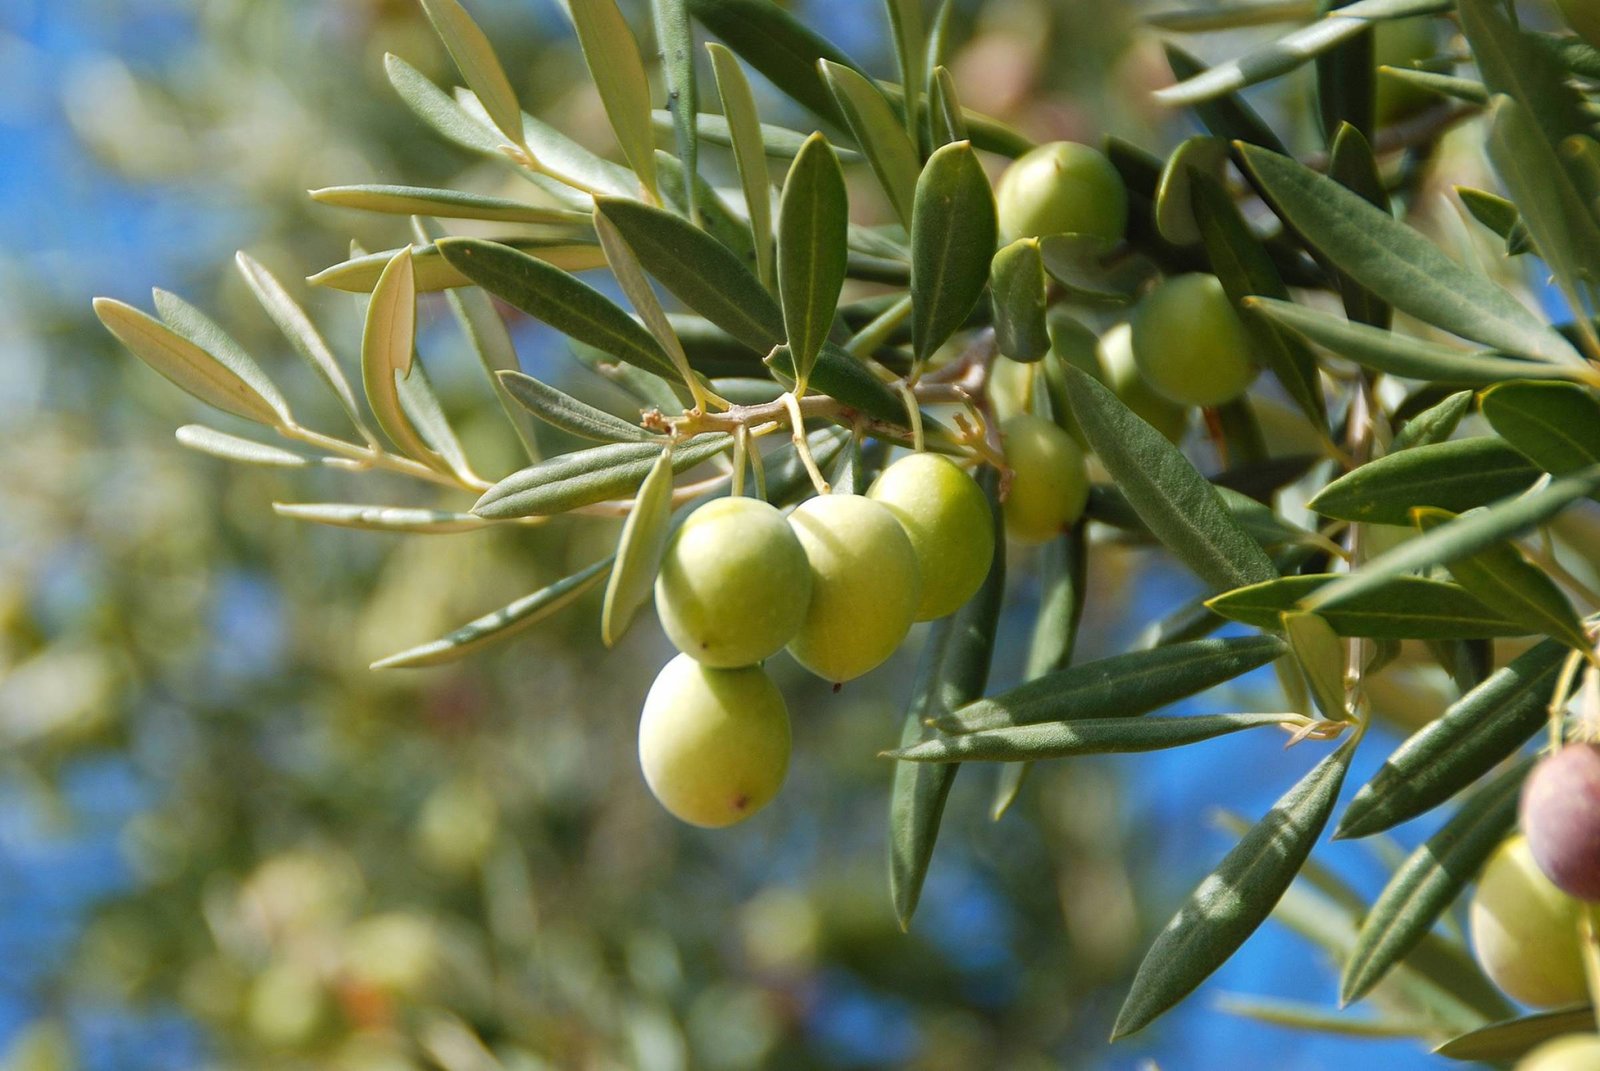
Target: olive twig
{"x":797,"y":431}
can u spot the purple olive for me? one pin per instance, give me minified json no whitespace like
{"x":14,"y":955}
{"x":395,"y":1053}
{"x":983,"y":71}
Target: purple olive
{"x":1561,"y":818}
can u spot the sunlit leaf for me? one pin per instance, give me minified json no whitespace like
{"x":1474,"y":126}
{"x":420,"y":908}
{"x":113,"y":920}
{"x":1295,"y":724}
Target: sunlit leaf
{"x":563,"y":411}
{"x":388,"y":342}
{"x":381,"y":518}
{"x":1091,"y":736}
{"x":1403,"y":607}
{"x":1555,"y":425}
{"x":612,"y":53}
{"x":1457,"y":475}
{"x":474,"y":57}
{"x":639,"y":550}
{"x":206,"y":440}
{"x":749,"y":148}
{"x":445,"y":204}
{"x":1511,"y":1039}
{"x":887,"y":146}
{"x":953,"y":234}
{"x":584,"y":477}
{"x":433,"y":272}
{"x":813,"y":219}
{"x":1320,"y":654}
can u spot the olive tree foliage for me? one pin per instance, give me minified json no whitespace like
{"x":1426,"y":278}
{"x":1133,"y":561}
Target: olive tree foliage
{"x":1448,"y":435}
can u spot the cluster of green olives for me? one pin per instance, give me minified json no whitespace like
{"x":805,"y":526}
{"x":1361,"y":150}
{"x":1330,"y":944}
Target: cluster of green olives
{"x":838,"y":583}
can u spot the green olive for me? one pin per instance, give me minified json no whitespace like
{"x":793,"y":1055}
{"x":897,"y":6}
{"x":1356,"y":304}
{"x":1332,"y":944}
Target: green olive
{"x":1122,"y":376}
{"x":713,"y":743}
{"x":734,"y":583}
{"x":1525,"y":930}
{"x":1061,"y":188}
{"x":1049,"y":481}
{"x":1189,"y":344}
{"x":1399,"y":43}
{"x":865,"y":585}
{"x":1574,"y":1052}
{"x":944,"y":512}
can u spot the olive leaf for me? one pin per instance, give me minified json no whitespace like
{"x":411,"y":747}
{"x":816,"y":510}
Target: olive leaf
{"x":562,"y":410}
{"x":1430,"y":880}
{"x":436,"y":108}
{"x":1017,"y":294}
{"x":1178,"y":504}
{"x":380,"y":518}
{"x":612,"y":55}
{"x":489,"y":340}
{"x":206,"y":440}
{"x":443,"y":204}
{"x":1554,"y":425}
{"x":1456,"y":476}
{"x":474,"y":57}
{"x":813,"y":219}
{"x":1352,"y":163}
{"x":946,"y":118}
{"x":778,"y":45}
{"x":911,"y":52}
{"x":388,"y":347}
{"x":1434,"y":424}
{"x":771,"y":140}
{"x":1226,"y":115}
{"x":953,"y":234}
{"x":1512,"y":1039}
{"x":1403,"y":607}
{"x":954,"y":669}
{"x":566,"y":169}
{"x":432,"y":272}
{"x":1468,"y":740}
{"x":749,"y":145}
{"x":1199,"y":157}
{"x":1120,"y":686}
{"x":500,"y":625}
{"x":639,"y":549}
{"x":630,"y":277}
{"x":587,"y":476}
{"x":1346,"y":89}
{"x":1091,"y":736}
{"x":1231,"y":903}
{"x":884,"y":142}
{"x":675,"y":35}
{"x":1320,"y":654}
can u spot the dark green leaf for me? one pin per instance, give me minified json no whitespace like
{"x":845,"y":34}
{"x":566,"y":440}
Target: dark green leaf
{"x":612,"y":55}
{"x":584,"y":477}
{"x":778,"y":45}
{"x":1226,"y":116}
{"x":563,"y":411}
{"x":877,"y":130}
{"x":1457,"y":475}
{"x":1093,"y":736}
{"x":911,"y":51}
{"x":716,"y":218}
{"x":675,"y":35}
{"x":813,"y":218}
{"x":748,"y":143}
{"x":1345,"y":85}
{"x":1512,"y":63}
{"x":953,"y":234}
{"x":1230,"y":904}
{"x":1555,"y":425}
{"x":1403,"y":607}
{"x":1017,"y":293}
{"x":946,"y":118}
{"x":1434,"y":424}
{"x":1352,"y":164}
{"x":639,"y":549}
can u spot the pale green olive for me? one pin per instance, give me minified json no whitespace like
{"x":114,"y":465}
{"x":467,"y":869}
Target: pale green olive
{"x":1049,"y":481}
{"x":734,"y":583}
{"x":1189,"y":344}
{"x":1122,"y":376}
{"x":1574,"y":1052}
{"x":713,"y":743}
{"x":944,"y":512}
{"x":1525,"y":930}
{"x":1399,"y":43}
{"x":865,"y":585}
{"x":1061,"y":188}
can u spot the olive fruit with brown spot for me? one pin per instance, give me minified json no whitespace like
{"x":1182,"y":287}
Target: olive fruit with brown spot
{"x":1561,"y":818}
{"x":945,"y":513}
{"x":865,"y":585}
{"x":734,"y":583}
{"x":1049,"y":481}
{"x":713,"y":743}
{"x":1525,"y":930}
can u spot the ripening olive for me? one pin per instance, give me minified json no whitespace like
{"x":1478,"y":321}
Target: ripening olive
{"x":1525,"y":930}
{"x":865,"y":585}
{"x":1561,"y":819}
{"x":944,"y":512}
{"x":1399,"y":43}
{"x":713,"y":743}
{"x":734,"y":583}
{"x":1584,"y":17}
{"x":1189,"y":344}
{"x":1061,"y":188}
{"x":1573,"y":1052}
{"x":1049,"y":482}
{"x":1122,"y":376}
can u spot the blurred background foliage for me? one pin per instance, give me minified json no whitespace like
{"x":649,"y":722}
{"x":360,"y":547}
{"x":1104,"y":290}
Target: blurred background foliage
{"x":225,"y":842}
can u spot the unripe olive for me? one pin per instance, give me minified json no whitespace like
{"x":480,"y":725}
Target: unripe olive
{"x":1525,"y":930}
{"x":1010,"y":385}
{"x":1122,"y":376}
{"x":1049,"y":482}
{"x":1561,"y":819}
{"x":865,"y":585}
{"x":1061,"y":188}
{"x":944,"y":512}
{"x":1574,"y":1052}
{"x":734,"y":583}
{"x":1189,"y":344}
{"x":713,"y":743}
{"x":1584,"y":17}
{"x":1399,"y":43}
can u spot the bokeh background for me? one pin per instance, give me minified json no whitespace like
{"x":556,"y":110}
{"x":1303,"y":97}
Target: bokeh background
{"x":226,"y":843}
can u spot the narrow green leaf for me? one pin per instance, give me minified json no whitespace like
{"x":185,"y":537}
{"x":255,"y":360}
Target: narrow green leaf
{"x":1231,"y":16}
{"x":1554,"y":425}
{"x":639,"y":550}
{"x":1457,"y":475}
{"x":500,"y":625}
{"x":1434,"y":424}
{"x":380,"y":518}
{"x":587,"y":476}
{"x":551,"y":295}
{"x":1399,"y":264}
{"x":1296,"y":1015}
{"x":567,"y":169}
{"x":716,"y":218}
{"x":745,"y":136}
{"x":953,"y":234}
{"x":1504,"y":580}
{"x":474,"y":57}
{"x":1399,"y":355}
{"x":562,"y":410}
{"x":1320,"y":654}
{"x":1494,"y":212}
{"x":954,"y":669}
{"x":1352,"y":163}
{"x":1512,"y":1039}
{"x":1230,"y":904}
{"x":887,"y":146}
{"x":1346,"y":88}
{"x":432,"y":272}
{"x":778,"y":45}
{"x":1094,"y":736}
{"x":436,"y":108}
{"x":426,"y":414}
{"x":490,"y":341}
{"x":206,"y":440}
{"x":612,"y":55}
{"x":1512,"y":63}
{"x":210,"y":336}
{"x":813,"y":218}
{"x":1429,"y":881}
{"x":1121,"y":686}
{"x":388,"y":342}
{"x":946,"y":117}
{"x":1403,"y":607}
{"x":911,"y":51}
{"x":1178,"y":504}
{"x":1469,"y":739}
{"x":675,"y":35}
{"x":631,"y":278}
{"x":775,"y":142}
{"x":1017,"y":294}
{"x":1226,"y":116}
{"x":443,"y":204}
